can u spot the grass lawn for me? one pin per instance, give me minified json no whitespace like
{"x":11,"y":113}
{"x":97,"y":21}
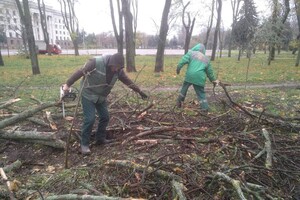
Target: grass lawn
{"x":17,"y":79}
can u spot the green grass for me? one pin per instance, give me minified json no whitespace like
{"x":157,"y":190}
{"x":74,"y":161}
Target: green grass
{"x":17,"y":79}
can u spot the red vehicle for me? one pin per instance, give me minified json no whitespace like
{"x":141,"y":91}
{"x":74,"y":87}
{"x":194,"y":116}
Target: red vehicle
{"x":41,"y":48}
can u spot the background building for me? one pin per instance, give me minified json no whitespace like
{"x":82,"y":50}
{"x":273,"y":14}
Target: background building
{"x":10,"y":23}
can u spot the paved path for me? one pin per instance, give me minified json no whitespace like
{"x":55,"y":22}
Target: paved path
{"x":251,"y":86}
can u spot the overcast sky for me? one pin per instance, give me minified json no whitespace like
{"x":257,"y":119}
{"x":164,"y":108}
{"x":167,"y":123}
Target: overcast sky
{"x":94,"y":15}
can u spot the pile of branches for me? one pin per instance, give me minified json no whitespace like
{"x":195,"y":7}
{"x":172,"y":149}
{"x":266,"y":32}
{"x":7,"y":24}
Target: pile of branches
{"x":161,"y":153}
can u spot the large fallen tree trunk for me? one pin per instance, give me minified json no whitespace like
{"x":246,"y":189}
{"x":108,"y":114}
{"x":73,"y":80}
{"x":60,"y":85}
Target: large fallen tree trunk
{"x":25,"y":114}
{"x":45,"y":138}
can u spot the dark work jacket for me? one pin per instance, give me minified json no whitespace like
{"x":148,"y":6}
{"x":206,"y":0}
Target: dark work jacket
{"x":99,"y":79}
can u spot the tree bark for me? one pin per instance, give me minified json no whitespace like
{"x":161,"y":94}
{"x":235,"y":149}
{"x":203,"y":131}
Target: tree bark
{"x":219,"y":8}
{"x":164,"y":28}
{"x":25,"y":114}
{"x":118,"y":35}
{"x":30,"y":36}
{"x":129,"y":37}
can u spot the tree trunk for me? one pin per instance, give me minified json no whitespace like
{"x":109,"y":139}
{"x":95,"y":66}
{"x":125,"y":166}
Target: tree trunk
{"x":164,"y":28}
{"x":210,"y":23}
{"x":43,"y":19}
{"x":1,"y":59}
{"x":26,"y":19}
{"x":30,"y":39}
{"x":298,"y":37}
{"x":129,"y":37}
{"x":118,"y":35}
{"x":219,"y":8}
{"x":25,"y":114}
{"x":235,"y":4}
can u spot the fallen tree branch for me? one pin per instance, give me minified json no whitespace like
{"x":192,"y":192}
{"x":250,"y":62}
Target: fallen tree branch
{"x":9,"y":102}
{"x":15,"y":165}
{"x":25,"y":114}
{"x":178,"y":189}
{"x":44,"y":138}
{"x":85,"y":197}
{"x":8,"y":184}
{"x":129,"y":164}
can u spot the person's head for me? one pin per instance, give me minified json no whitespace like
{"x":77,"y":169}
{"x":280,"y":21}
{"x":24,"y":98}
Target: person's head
{"x":199,"y":47}
{"x":116,"y":62}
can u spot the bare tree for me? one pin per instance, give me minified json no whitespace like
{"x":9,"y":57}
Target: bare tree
{"x":163,"y":32}
{"x":70,"y":20}
{"x":2,"y":40}
{"x":129,"y":37}
{"x":118,"y":34}
{"x":235,"y":5}
{"x":297,"y":8}
{"x":43,"y":18}
{"x":275,"y":19}
{"x":26,"y":18}
{"x":188,"y":26}
{"x":210,"y":23}
{"x":219,"y":9}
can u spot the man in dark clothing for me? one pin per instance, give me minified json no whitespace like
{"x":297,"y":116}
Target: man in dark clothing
{"x":100,"y":75}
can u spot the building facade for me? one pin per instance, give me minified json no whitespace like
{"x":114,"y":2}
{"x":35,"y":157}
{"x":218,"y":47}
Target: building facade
{"x":10,"y":23}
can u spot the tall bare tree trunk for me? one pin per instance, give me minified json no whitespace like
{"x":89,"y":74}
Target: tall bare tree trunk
{"x":297,"y":3}
{"x":235,"y":4}
{"x":70,"y":20}
{"x":30,"y":36}
{"x":163,"y":32}
{"x":1,"y":58}
{"x":43,"y":18}
{"x":118,"y":35}
{"x":210,"y":23}
{"x":129,"y":37}
{"x":219,"y":8}
{"x":189,"y":26}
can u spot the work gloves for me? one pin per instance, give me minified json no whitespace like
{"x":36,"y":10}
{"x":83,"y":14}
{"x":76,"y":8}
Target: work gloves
{"x":177,"y":70}
{"x":143,"y":95}
{"x":216,"y":82}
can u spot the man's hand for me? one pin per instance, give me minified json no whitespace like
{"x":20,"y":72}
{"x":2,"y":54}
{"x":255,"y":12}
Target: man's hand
{"x":143,"y":95}
{"x":65,"y":88}
{"x":177,"y":70}
{"x":216,"y":82}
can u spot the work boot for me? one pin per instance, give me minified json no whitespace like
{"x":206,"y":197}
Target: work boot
{"x":103,"y":142}
{"x":85,"y":150}
{"x":178,"y":104}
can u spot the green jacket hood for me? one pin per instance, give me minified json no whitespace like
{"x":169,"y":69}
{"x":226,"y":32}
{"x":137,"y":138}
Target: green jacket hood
{"x":199,"y":47}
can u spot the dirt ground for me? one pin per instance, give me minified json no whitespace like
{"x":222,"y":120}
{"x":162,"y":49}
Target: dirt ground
{"x":152,"y":151}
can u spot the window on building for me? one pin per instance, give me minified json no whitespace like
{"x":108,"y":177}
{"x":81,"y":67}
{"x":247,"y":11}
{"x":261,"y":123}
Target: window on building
{"x":10,"y":34}
{"x":11,"y":42}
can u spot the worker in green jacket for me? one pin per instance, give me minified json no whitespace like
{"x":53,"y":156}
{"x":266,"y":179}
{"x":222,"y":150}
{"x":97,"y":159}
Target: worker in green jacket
{"x":199,"y":67}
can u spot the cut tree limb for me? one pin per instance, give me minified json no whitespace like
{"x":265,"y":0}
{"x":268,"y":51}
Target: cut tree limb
{"x":85,"y":197}
{"x":9,"y":102}
{"x":25,"y":114}
{"x":129,"y":164}
{"x":8,"y":184}
{"x":178,"y":189}
{"x":44,"y":138}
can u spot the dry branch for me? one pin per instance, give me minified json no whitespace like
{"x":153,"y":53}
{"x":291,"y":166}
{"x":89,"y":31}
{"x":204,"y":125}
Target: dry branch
{"x":9,"y":102}
{"x":85,"y":197}
{"x":8,"y":184}
{"x":15,"y":165}
{"x":155,"y":130}
{"x":133,"y":165}
{"x":178,"y":189}
{"x":44,"y":138}
{"x":25,"y":114}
